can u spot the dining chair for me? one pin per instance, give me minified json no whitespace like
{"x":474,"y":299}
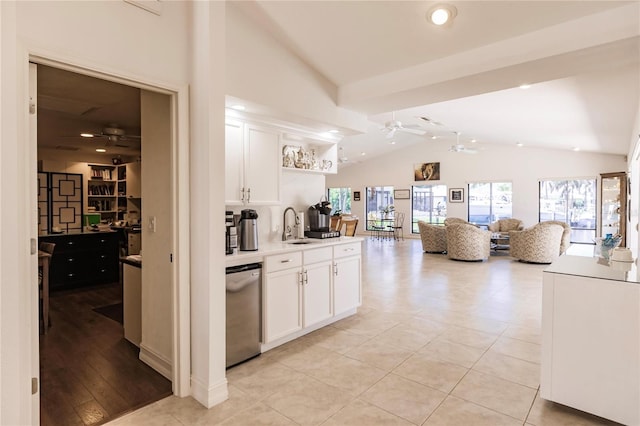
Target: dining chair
{"x":336,"y":223}
{"x":396,"y":228}
{"x":43,"y":281}
{"x":374,"y":228}
{"x":350,"y":227}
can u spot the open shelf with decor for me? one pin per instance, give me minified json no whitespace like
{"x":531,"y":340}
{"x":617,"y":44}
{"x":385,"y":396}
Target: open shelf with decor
{"x":309,"y":155}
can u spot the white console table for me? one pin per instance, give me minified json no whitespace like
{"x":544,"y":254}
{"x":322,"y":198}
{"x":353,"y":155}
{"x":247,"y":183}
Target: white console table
{"x":591,"y":338}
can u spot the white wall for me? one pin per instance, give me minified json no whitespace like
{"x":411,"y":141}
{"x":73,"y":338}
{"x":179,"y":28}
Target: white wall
{"x":157,"y":245}
{"x":261,"y":70}
{"x":126,"y":41}
{"x":524,"y":167}
{"x":298,"y":190}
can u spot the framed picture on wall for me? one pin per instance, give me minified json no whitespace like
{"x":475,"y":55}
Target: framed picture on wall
{"x":426,"y":171}
{"x":456,"y":195}
{"x":356,"y":195}
{"x":401,"y":194}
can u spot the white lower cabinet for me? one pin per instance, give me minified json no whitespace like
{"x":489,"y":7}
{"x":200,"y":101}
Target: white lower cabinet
{"x":300,"y":293}
{"x":316,"y":292}
{"x":347,"y":289}
{"x":282,"y":296}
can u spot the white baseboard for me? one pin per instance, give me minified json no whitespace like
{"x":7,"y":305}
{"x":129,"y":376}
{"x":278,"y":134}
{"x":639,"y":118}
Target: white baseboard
{"x":209,"y":396}
{"x":156,"y":361}
{"x":268,"y":346}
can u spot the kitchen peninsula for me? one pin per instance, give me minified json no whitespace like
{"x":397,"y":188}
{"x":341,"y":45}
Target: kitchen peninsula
{"x":591,"y":337}
{"x":307,"y":284}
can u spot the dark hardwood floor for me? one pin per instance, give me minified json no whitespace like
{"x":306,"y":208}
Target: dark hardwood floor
{"x":89,"y":372}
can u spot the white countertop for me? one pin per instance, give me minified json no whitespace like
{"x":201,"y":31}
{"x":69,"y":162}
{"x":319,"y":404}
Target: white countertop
{"x":595,"y":267}
{"x":278,"y":247}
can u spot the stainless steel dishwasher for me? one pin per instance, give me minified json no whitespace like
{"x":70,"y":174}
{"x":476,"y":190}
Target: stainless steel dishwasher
{"x":243,"y":312}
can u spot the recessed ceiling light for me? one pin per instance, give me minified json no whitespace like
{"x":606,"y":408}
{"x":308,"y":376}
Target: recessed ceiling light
{"x":334,"y":131}
{"x":238,"y":107}
{"x":519,"y":144}
{"x":473,"y":141}
{"x":101,"y":150}
{"x":576,"y":148}
{"x":442,"y":14}
{"x":363,"y":153}
{"x":525,"y":86}
{"x":86,"y":135}
{"x":434,"y":137}
{"x":392,"y":142}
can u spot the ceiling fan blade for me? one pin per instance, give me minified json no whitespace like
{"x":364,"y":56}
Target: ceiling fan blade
{"x":430,"y":121}
{"x":413,"y":131}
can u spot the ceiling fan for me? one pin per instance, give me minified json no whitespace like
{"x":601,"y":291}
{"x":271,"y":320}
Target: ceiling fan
{"x":113,"y":134}
{"x":341,"y":157}
{"x":393,"y":126}
{"x":458,"y":147}
{"x":430,"y":121}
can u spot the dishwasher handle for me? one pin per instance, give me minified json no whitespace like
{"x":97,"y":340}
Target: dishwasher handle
{"x":242,"y":268}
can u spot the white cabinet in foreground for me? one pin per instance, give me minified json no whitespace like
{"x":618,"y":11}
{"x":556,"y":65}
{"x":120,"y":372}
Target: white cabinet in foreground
{"x":282,"y":295}
{"x":308,"y":289}
{"x":346,"y":280}
{"x":591,"y":339}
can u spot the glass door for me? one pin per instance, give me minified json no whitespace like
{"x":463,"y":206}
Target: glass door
{"x":614,"y":202}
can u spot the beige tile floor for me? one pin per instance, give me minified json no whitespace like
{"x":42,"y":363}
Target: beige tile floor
{"x":436,"y":342}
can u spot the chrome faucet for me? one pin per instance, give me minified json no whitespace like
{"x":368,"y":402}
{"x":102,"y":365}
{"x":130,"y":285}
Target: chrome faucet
{"x":286,"y":230}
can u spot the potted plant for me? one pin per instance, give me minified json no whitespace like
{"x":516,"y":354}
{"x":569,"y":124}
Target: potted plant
{"x":387,"y":211}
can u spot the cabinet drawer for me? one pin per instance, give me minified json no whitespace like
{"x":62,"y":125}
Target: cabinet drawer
{"x":317,"y":255}
{"x":283,"y":261}
{"x":344,"y":250}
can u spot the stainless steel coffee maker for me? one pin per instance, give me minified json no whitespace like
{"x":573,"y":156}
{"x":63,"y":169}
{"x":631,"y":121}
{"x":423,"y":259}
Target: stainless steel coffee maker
{"x":248,"y":230}
{"x":231,"y":233}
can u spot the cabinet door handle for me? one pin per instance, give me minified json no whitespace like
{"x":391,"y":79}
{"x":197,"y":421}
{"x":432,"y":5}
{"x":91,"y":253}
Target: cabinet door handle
{"x":286,"y":261}
{"x":335,"y":269}
{"x":248,"y":195}
{"x":300,"y":279}
{"x":242,"y":194}
{"x":306,"y":277}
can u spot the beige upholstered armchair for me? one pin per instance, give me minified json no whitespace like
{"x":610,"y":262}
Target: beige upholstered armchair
{"x":468,"y":242}
{"x":450,"y":220}
{"x":538,"y":244}
{"x":506,"y":225}
{"x":566,"y":234}
{"x":434,"y":237}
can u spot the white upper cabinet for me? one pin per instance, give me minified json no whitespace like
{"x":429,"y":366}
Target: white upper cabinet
{"x":252,"y":161}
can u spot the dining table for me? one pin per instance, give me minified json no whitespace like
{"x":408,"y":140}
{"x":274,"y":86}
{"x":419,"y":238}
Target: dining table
{"x":44,"y":259}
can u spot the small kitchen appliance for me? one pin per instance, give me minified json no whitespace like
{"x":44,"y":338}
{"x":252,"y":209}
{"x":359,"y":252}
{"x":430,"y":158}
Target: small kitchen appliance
{"x":231,"y":233}
{"x":248,"y":230}
{"x":319,"y":216}
{"x":319,"y":220}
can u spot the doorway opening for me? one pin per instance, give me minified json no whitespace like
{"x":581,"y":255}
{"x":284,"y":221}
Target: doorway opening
{"x":92,"y":342}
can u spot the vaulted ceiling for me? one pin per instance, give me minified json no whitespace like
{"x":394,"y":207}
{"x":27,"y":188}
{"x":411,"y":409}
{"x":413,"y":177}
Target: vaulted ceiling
{"x":580,"y":58}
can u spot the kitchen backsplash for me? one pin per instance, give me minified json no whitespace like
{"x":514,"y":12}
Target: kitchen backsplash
{"x":297,"y":190}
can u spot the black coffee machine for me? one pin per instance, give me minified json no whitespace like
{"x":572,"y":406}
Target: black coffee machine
{"x":319,"y":221}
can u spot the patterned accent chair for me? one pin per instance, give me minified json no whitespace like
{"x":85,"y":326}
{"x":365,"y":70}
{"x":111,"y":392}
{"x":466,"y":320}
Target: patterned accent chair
{"x":450,"y":220}
{"x":434,"y":237}
{"x":466,"y":241}
{"x":506,"y":225}
{"x":538,"y":244}
{"x":566,"y":234}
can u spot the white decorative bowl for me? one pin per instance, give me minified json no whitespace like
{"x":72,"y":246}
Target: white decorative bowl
{"x":622,"y":254}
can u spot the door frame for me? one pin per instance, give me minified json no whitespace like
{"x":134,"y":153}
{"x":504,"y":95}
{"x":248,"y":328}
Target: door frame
{"x":179,"y":93}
